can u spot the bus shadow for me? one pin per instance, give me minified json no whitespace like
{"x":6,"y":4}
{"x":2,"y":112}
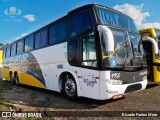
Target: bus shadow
{"x":96,"y":103}
{"x":42,"y":98}
{"x":151,"y":85}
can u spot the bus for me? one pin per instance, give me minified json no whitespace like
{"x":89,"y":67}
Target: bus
{"x":93,"y":51}
{"x":153,"y":60}
{"x":0,"y":62}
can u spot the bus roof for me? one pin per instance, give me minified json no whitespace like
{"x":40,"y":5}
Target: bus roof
{"x":89,"y":6}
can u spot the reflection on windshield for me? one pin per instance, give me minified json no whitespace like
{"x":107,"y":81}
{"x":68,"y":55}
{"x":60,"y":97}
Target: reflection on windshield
{"x":138,"y":53}
{"x":128,"y":51}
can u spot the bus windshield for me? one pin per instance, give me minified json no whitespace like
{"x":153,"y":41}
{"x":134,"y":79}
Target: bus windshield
{"x":106,"y":16}
{"x":128,"y":51}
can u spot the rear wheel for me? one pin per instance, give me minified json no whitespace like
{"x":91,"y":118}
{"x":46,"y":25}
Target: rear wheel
{"x":11,"y":79}
{"x":16,"y":79}
{"x":69,"y":88}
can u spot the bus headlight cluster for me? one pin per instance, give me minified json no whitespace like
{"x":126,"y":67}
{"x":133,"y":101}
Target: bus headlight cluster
{"x":114,"y":82}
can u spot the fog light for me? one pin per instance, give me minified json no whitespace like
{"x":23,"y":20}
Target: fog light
{"x":114,"y":82}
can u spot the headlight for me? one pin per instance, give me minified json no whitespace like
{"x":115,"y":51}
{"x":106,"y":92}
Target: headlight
{"x":114,"y":82}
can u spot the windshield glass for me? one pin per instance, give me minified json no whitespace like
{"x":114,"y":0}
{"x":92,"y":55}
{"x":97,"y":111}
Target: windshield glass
{"x":106,"y":16}
{"x":128,"y":51}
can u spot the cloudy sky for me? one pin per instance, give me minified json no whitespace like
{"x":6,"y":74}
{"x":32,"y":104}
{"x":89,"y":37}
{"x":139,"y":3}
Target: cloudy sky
{"x":33,"y":14}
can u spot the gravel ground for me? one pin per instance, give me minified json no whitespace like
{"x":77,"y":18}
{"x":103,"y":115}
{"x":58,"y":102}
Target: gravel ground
{"x":25,"y":98}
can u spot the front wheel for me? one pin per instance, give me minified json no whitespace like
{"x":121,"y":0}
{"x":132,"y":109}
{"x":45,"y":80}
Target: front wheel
{"x":70,"y":88}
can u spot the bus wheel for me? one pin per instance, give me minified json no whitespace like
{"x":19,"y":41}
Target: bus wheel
{"x":11,"y":79}
{"x":16,"y":79}
{"x":70,"y":88}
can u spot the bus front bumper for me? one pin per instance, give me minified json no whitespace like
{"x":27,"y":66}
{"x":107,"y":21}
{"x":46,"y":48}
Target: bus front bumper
{"x":108,"y":91}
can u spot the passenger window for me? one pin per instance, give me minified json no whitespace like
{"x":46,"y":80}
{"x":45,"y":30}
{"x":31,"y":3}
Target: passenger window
{"x":58,"y":32}
{"x":37,"y":40}
{"x":80,"y":22}
{"x":20,"y":47}
{"x":44,"y":37}
{"x":62,"y":30}
{"x":13,"y":49}
{"x":8,"y":52}
{"x":89,"y":57}
{"x":4,"y":53}
{"x":41,"y":38}
{"x":73,"y":55}
{"x":29,"y":43}
{"x":52,"y":35}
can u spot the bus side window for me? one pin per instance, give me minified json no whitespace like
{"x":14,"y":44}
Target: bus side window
{"x":20,"y":47}
{"x":37,"y":40}
{"x":80,"y":22}
{"x":29,"y":43}
{"x":4,"y":52}
{"x":58,"y":32}
{"x":41,"y":38}
{"x":8,"y":52}
{"x":13,"y":49}
{"x":44,"y":37}
{"x":62,"y":30}
{"x":52,"y":35}
{"x":73,"y":55}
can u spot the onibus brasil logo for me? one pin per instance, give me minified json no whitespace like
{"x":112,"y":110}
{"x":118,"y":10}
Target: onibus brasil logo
{"x":12,"y":11}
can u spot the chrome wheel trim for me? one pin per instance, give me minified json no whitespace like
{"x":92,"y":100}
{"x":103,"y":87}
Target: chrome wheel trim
{"x":70,"y":87}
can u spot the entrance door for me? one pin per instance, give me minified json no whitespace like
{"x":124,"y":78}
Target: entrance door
{"x":149,"y":58}
{"x":90,"y":82}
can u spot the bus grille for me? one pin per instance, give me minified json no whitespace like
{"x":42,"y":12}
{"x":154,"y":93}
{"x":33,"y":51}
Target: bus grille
{"x":133,"y":88}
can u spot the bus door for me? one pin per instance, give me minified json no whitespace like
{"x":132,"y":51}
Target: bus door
{"x":149,"y":58}
{"x":91,"y":76}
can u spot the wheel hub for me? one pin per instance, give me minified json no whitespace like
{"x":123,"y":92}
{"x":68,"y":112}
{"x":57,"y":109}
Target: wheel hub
{"x":70,"y":87}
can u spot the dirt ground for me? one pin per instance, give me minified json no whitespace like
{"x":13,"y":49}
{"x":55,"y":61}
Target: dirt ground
{"x":25,"y":98}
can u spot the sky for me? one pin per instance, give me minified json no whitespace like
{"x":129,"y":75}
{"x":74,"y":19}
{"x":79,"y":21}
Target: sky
{"x":33,"y":14}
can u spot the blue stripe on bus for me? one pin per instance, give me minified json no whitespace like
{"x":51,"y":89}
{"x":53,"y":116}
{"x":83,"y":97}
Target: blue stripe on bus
{"x":37,"y":77}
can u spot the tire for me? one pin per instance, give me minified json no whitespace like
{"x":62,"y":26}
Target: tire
{"x":16,"y":79}
{"x":12,"y":79}
{"x":69,"y":88}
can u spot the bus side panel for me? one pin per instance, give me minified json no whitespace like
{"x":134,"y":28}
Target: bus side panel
{"x":27,"y":79}
{"x":90,"y":83}
{"x":52,"y":60}
{"x":5,"y":74}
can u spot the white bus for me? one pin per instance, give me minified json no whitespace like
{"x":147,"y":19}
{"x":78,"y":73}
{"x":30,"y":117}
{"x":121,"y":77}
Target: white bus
{"x":93,"y":51}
